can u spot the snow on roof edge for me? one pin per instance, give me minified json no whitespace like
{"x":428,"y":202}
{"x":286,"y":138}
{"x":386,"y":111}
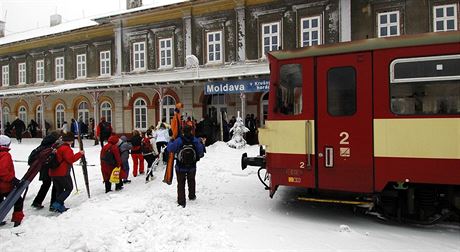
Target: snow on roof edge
{"x":75,"y":24}
{"x":46,"y":31}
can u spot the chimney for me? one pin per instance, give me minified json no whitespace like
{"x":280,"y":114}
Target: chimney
{"x":133,"y":4}
{"x":55,"y":19}
{"x":2,"y":29}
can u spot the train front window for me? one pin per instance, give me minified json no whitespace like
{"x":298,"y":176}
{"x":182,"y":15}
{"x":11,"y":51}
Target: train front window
{"x":425,"y":86}
{"x":289,"y":90}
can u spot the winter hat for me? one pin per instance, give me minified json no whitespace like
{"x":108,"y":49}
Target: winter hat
{"x":5,"y":141}
{"x":68,"y":137}
{"x":124,"y":138}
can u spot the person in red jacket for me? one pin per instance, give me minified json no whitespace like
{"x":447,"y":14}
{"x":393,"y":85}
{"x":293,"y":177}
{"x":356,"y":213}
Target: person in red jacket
{"x":61,"y":175}
{"x":110,"y":158}
{"x":8,"y":180}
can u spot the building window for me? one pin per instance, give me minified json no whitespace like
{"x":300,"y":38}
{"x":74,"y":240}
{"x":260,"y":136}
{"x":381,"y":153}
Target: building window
{"x":22,"y":73}
{"x":445,"y":18}
{"x":388,"y":24}
{"x":169,"y":104}
{"x":214,"y":40}
{"x":83,"y":112}
{"x":270,"y":37}
{"x":6,"y":115}
{"x":59,"y":68}
{"x":166,"y":53}
{"x":310,"y":31}
{"x":425,"y":85}
{"x":60,"y":115}
{"x":139,"y":56}
{"x":5,"y":75}
{"x":38,"y":114}
{"x":40,"y":71}
{"x":140,"y":114}
{"x":22,"y":114}
{"x":81,"y":66}
{"x":106,"y":111}
{"x":105,"y":63}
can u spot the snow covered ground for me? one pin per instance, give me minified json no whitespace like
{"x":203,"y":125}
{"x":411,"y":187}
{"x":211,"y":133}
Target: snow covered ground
{"x":232,"y":213}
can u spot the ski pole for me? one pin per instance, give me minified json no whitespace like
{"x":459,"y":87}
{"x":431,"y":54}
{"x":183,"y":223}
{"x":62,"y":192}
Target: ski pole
{"x":75,"y":181}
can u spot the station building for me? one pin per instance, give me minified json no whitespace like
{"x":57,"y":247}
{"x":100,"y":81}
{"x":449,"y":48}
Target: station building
{"x":133,"y":66}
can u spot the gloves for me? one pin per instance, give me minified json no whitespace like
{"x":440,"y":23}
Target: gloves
{"x":14,"y":182}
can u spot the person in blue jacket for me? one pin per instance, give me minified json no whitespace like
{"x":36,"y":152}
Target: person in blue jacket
{"x":189,"y":150}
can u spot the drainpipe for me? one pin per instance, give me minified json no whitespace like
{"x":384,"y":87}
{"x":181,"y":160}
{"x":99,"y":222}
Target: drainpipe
{"x":42,"y":123}
{"x":2,"y":130}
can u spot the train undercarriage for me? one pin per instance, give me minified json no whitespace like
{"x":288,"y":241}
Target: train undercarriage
{"x":424,"y":204}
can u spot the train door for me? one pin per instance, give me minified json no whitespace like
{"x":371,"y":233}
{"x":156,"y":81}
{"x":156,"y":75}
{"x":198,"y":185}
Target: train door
{"x":344,"y":122}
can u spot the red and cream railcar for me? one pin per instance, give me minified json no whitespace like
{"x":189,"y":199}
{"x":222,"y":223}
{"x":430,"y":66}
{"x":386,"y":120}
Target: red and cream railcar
{"x":378,"y":117}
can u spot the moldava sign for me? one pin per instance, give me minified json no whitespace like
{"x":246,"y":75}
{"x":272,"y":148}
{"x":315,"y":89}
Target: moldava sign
{"x":236,"y":86}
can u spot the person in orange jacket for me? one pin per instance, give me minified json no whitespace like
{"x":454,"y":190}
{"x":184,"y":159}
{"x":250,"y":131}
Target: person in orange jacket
{"x":61,"y":175}
{"x":8,"y":180}
{"x":110,"y":158}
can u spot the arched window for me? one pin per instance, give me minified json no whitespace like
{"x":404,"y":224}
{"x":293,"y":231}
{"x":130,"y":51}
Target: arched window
{"x":140,"y":114}
{"x":169,"y":104}
{"x":6,"y":115}
{"x":38,"y":115}
{"x":60,"y":115}
{"x":22,"y":114}
{"x":106,"y":111}
{"x":264,"y":108}
{"x":83,"y":112}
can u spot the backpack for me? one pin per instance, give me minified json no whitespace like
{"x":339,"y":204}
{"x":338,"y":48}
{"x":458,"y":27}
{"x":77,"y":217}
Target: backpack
{"x":109,"y":157}
{"x":50,"y":153}
{"x":187,"y":157}
{"x":51,"y":162}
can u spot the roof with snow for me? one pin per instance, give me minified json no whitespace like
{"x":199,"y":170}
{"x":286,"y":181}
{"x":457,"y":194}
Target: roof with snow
{"x":77,"y":24}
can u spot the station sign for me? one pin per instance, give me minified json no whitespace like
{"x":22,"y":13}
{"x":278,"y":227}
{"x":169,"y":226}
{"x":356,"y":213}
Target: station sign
{"x":236,"y":86}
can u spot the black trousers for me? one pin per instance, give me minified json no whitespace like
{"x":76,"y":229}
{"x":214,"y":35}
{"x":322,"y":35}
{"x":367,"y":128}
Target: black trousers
{"x":46,"y":184}
{"x":181,"y":178}
{"x":18,"y":206}
{"x":64,"y":187}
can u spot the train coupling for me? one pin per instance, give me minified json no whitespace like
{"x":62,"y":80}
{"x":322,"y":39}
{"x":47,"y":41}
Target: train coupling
{"x":258,"y":161}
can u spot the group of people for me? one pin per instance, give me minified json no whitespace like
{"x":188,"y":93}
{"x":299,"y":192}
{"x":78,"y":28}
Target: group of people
{"x":19,"y":128}
{"x":155,"y":143}
{"x":59,"y":176}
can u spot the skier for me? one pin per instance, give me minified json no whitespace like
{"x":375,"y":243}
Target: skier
{"x":176,"y":131}
{"x":125,"y":147}
{"x":162,"y":139}
{"x":186,"y":163}
{"x":19,"y":127}
{"x":136,"y":153}
{"x":8,"y":180}
{"x":61,"y":175}
{"x":148,"y":152}
{"x":32,"y":127}
{"x":47,"y":142}
{"x":103,"y":131}
{"x":110,"y":158}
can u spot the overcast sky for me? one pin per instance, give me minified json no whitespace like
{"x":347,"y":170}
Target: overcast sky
{"x":23,"y":15}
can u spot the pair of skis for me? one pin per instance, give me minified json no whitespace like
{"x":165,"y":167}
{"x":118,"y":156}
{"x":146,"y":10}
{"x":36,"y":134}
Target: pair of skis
{"x":151,"y":169}
{"x":84,"y":165}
